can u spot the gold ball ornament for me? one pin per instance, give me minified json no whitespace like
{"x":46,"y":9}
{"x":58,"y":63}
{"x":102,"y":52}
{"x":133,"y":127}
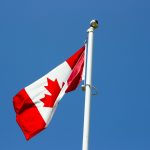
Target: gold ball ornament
{"x":94,"y":24}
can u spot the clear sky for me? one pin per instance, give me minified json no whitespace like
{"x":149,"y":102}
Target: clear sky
{"x":38,"y":35}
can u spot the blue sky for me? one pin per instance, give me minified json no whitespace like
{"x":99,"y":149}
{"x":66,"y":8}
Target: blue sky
{"x":36,"y":36}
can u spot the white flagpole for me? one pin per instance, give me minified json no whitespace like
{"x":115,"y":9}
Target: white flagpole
{"x":88,"y":85}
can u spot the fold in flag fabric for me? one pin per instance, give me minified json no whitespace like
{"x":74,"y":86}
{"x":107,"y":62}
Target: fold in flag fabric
{"x":35,"y":104}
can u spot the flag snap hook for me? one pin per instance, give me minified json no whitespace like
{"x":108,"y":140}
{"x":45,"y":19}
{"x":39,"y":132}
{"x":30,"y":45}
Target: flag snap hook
{"x":92,"y":87}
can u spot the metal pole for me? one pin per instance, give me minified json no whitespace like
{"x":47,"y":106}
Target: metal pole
{"x":88,"y":86}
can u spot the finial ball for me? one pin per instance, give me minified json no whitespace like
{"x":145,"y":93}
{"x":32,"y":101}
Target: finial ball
{"x":94,"y":24}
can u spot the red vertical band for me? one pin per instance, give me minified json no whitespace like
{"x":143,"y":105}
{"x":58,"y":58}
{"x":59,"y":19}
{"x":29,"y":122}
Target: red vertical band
{"x":75,"y":57}
{"x":27,"y":115}
{"x":77,"y":63}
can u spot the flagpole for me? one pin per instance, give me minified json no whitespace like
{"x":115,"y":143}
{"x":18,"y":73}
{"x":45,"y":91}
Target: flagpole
{"x":88,"y":85}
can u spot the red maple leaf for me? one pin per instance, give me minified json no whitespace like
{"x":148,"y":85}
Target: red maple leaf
{"x":54,"y":88}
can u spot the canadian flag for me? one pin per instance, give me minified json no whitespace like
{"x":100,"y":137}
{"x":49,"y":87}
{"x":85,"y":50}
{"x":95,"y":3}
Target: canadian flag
{"x":35,"y":104}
